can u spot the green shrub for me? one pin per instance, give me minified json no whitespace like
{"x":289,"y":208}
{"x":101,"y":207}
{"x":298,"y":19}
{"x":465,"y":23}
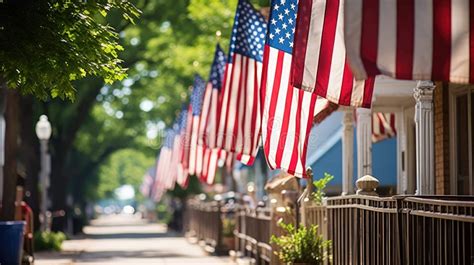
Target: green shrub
{"x":302,"y":245}
{"x":49,"y":240}
{"x":320,"y":186}
{"x":228,"y":226}
{"x":163,"y":213}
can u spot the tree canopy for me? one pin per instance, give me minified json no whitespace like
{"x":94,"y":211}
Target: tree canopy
{"x":45,"y":45}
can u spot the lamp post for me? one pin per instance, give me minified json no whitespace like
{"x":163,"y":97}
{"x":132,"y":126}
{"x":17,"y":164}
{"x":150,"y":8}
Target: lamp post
{"x":43,"y":131}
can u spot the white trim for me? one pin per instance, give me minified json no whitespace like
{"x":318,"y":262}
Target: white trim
{"x":401,"y":146}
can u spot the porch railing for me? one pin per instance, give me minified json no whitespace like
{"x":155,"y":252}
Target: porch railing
{"x":253,"y":234}
{"x":437,"y":230}
{"x":363,"y":229}
{"x":401,"y":230}
{"x":204,"y":223}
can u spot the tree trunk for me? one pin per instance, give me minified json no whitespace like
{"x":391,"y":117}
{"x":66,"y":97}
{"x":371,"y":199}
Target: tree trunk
{"x":11,"y":149}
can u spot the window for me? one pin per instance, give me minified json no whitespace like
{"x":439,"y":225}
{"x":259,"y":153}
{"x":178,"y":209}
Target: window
{"x":462,"y":139}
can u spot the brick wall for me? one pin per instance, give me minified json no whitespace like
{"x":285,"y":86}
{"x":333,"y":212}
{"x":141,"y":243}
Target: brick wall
{"x":441,"y":138}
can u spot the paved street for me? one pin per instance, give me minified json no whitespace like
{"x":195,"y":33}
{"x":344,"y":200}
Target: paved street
{"x":128,"y":240}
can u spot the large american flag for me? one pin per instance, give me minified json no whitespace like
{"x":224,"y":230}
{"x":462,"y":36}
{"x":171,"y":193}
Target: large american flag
{"x":417,"y":39}
{"x":206,"y":166}
{"x":320,"y":64}
{"x":288,"y":112}
{"x":240,"y":105}
{"x":195,"y":108}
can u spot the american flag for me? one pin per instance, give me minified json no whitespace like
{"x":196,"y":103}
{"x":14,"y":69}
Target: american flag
{"x":420,"y":40}
{"x":383,"y":126}
{"x":181,"y":143}
{"x":163,"y":177}
{"x":240,"y":105}
{"x":320,"y":63}
{"x":195,"y":109}
{"x":288,"y":112}
{"x":147,"y":183}
{"x":207,"y":163}
{"x":158,"y":185}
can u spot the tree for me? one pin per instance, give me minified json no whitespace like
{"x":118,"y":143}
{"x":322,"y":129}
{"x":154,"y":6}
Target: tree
{"x":170,"y":42}
{"x":44,"y":47}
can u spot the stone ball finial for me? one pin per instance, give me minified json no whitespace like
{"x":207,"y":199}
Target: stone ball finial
{"x":367,"y":185}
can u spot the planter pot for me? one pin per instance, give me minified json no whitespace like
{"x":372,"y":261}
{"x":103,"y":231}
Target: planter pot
{"x":11,"y":242}
{"x":229,"y":242}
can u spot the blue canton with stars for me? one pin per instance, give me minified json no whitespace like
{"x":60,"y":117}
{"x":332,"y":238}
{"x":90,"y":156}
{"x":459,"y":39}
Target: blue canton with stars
{"x":282,"y":23}
{"x":217,"y":68}
{"x":248,"y":32}
{"x":197,"y":94}
{"x":169,"y":140}
{"x":182,"y":118}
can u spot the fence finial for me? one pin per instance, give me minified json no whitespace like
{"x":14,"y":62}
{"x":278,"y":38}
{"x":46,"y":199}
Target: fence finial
{"x":367,"y":185}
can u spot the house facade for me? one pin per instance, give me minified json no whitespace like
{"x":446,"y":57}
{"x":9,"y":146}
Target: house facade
{"x":431,"y":154}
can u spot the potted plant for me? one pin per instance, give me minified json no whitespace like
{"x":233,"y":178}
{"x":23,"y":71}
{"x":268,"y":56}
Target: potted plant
{"x":302,"y":245}
{"x":228,"y":226}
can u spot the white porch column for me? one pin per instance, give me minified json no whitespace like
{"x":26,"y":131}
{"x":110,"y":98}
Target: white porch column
{"x":424,"y":138}
{"x":347,"y":153}
{"x":364,"y":142}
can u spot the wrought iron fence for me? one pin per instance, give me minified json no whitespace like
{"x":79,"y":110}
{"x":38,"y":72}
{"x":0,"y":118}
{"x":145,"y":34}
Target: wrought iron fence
{"x":204,"y":223}
{"x":437,"y":230}
{"x":363,"y":229}
{"x":253,"y":234}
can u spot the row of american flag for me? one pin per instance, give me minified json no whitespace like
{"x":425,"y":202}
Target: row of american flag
{"x":308,"y":57}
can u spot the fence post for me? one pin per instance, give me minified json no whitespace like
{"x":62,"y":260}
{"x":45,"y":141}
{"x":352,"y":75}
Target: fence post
{"x":367,"y":185}
{"x":305,"y":199}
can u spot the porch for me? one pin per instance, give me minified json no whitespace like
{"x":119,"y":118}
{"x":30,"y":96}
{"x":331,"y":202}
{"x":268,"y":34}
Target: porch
{"x":363,"y":229}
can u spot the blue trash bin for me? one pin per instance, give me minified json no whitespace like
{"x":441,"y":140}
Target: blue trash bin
{"x":11,"y":242}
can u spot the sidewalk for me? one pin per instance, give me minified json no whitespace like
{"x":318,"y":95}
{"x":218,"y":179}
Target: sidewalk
{"x":128,"y":240}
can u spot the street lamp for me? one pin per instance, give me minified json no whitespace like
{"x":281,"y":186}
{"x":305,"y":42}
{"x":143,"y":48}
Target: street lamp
{"x":43,"y":131}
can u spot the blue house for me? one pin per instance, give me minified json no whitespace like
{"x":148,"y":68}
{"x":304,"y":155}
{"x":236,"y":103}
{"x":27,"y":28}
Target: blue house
{"x":325,"y":155}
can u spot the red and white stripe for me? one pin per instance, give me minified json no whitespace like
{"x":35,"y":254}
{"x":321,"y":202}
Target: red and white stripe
{"x":288,"y":114}
{"x":411,"y":39}
{"x":193,"y":145}
{"x":211,"y":159}
{"x":320,"y":64}
{"x":383,"y":126}
{"x":202,"y":131}
{"x":183,"y":165}
{"x":240,"y":119}
{"x":146,"y":185}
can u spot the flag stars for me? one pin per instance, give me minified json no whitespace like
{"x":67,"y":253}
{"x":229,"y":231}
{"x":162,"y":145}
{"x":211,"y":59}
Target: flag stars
{"x":276,"y":7}
{"x":281,"y":40}
{"x":287,"y":11}
{"x":273,"y":21}
{"x":280,"y":16}
{"x":293,"y":6}
{"x":284,"y":26}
